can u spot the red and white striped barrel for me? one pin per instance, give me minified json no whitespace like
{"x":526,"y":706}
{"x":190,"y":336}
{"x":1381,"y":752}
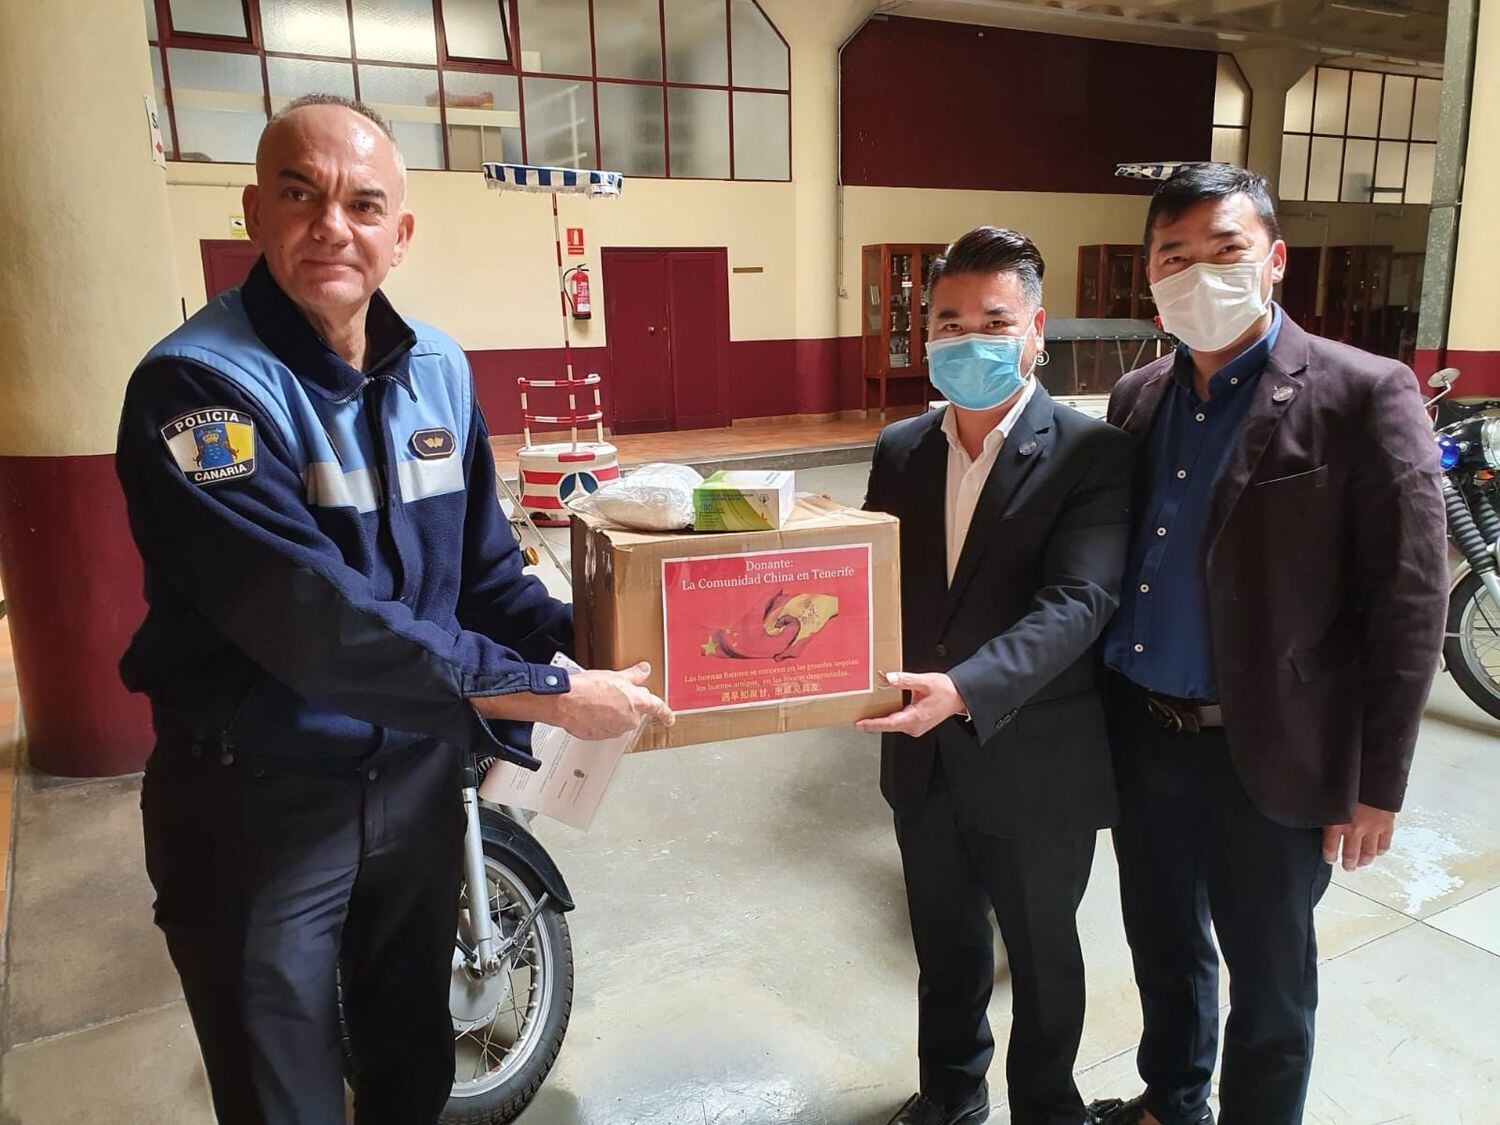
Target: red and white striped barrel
{"x":553,"y":474}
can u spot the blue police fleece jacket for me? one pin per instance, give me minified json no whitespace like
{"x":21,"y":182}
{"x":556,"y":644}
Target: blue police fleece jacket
{"x":328,"y":574}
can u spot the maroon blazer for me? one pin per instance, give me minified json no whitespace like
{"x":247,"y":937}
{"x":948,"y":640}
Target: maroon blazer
{"x":1327,"y":575}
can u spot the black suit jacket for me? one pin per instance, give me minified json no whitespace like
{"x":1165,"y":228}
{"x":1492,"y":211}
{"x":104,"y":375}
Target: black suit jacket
{"x":1036,"y":581}
{"x":1327,"y":575}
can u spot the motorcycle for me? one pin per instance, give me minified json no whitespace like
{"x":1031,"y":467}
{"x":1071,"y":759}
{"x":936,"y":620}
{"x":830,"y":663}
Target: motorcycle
{"x":1468,"y":439}
{"x":511,"y":991}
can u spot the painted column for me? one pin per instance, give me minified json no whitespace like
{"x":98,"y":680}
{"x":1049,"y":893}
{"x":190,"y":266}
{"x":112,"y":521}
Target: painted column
{"x":814,"y":32}
{"x":87,"y":284}
{"x":1473,"y":337}
{"x":1271,"y":72}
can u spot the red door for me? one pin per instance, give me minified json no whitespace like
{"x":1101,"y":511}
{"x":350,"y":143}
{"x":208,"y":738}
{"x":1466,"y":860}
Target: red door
{"x":667,"y":315}
{"x":226,"y":263}
{"x":640,"y":364}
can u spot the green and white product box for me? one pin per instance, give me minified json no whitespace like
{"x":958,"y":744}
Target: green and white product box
{"x":743,"y":501}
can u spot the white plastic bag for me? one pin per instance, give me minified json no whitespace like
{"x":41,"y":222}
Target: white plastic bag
{"x":655,"y":497}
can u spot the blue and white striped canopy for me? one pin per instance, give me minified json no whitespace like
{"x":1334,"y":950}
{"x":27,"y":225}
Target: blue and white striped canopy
{"x":566,"y":181}
{"x":1164,"y":170}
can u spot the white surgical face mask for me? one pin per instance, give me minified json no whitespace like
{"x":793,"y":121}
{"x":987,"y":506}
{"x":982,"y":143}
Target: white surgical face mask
{"x":1208,"y":307}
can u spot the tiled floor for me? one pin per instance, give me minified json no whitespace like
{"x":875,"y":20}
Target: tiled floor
{"x":701,"y":445}
{"x":743,"y":955}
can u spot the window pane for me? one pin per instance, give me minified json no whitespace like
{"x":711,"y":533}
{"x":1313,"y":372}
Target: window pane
{"x":699,"y":121}
{"x":1324,"y":163}
{"x":1293,"y":182}
{"x":150,"y":19}
{"x":759,"y":57}
{"x":209,"y":17}
{"x":163,"y":118}
{"x":217,"y":99}
{"x":627,"y":38}
{"x":762,"y":143}
{"x":1419,"y":174}
{"x":1332,"y":101}
{"x":1395,"y":115}
{"x":484,"y":118}
{"x":1390,"y":171}
{"x":1364,"y":104}
{"x":1424,"y":126}
{"x":408,"y":100}
{"x":1359,"y":171}
{"x":1231,"y":95}
{"x":555,"y":37}
{"x":1299,"y":104}
{"x":560,"y":122}
{"x":475,"y":29}
{"x":306,"y":27}
{"x":697,"y":45}
{"x":398,"y":30}
{"x":291,"y":78}
{"x":631,"y":136}
{"x":1228,"y":145}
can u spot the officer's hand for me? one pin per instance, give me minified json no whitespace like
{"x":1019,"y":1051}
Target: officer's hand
{"x":934,"y":697}
{"x":602,"y":704}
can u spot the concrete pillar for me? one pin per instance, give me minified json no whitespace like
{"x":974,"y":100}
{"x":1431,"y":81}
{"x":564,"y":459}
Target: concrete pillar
{"x":87,"y":284}
{"x":1473,"y":344}
{"x":814,"y":32}
{"x":1271,"y":72}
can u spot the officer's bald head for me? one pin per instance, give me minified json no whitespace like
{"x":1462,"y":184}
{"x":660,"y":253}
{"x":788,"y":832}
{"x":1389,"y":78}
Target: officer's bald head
{"x":328,"y":204}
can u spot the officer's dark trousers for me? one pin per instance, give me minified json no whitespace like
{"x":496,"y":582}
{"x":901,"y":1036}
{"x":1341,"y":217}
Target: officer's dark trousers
{"x":1193,"y":849}
{"x":271,"y":888}
{"x":954,"y":877}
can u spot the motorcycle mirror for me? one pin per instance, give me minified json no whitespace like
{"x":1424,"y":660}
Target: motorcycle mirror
{"x":1444,"y":378}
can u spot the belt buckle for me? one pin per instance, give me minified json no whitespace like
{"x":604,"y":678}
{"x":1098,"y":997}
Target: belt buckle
{"x":1166,"y":717}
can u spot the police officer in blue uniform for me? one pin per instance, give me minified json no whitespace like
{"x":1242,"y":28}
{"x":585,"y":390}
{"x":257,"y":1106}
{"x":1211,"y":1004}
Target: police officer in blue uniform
{"x":337,"y":613}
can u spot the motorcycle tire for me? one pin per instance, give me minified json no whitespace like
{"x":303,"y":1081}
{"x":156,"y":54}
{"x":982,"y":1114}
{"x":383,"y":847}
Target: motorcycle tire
{"x":1482,"y":689}
{"x":504,"y":1102}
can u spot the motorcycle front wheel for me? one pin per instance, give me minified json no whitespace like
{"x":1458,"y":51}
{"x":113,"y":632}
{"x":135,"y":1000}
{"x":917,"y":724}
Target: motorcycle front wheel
{"x":1472,"y":647}
{"x":508,"y":1027}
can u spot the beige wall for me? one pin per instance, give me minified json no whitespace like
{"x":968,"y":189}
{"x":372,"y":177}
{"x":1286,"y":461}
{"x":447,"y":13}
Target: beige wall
{"x":482,"y":265}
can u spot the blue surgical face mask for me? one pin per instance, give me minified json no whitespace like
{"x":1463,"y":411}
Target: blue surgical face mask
{"x":977,"y":371}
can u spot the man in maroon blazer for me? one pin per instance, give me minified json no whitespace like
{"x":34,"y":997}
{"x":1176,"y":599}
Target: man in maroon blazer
{"x":1280,"y":625}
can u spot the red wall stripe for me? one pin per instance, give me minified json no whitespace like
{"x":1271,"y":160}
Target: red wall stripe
{"x":1479,"y":370}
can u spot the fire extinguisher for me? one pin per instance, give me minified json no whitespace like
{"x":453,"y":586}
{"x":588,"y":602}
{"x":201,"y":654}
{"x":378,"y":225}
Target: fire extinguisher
{"x":576,"y":281}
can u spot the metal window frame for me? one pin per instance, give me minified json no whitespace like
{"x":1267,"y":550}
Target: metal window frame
{"x":1344,"y":136}
{"x":253,"y":43}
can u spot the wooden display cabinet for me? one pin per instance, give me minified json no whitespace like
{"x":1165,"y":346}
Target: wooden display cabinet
{"x":893,"y":316}
{"x":1112,"y":283}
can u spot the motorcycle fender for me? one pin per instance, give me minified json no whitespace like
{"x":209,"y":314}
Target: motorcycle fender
{"x":1459,"y":571}
{"x":499,"y":830}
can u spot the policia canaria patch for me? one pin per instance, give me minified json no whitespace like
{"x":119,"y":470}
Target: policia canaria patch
{"x":212,"y":445}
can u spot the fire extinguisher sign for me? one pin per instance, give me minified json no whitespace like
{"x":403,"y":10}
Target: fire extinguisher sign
{"x":767,"y":627}
{"x":575,"y":240}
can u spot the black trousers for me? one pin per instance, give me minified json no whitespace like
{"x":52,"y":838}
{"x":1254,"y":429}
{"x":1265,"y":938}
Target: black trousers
{"x":954,"y":877}
{"x":272,"y":890}
{"x":1194,"y":850}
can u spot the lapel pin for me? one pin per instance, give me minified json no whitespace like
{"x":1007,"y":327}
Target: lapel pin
{"x":1027,"y":448}
{"x":1282,"y":394}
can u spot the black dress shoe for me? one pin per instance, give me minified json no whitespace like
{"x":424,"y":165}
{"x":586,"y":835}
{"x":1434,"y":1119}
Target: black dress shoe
{"x":1114,"y":1111}
{"x":922,"y":1110}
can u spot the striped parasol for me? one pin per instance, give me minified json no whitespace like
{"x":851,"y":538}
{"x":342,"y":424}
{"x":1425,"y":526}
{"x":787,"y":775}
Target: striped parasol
{"x":567,"y":181}
{"x":1162,"y":170}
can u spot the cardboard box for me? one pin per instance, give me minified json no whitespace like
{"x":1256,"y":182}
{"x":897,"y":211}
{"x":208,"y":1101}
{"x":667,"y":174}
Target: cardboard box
{"x":748,"y":633}
{"x":743,"y":501}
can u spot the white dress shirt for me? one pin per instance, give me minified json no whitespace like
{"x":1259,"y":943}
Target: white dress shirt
{"x":966,"y":476}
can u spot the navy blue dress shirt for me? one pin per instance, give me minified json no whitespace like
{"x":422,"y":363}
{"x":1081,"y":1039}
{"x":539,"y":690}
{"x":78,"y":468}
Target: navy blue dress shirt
{"x":1160,"y":636}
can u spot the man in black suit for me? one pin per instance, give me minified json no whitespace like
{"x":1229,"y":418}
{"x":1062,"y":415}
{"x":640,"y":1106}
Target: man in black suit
{"x":1014,"y":522}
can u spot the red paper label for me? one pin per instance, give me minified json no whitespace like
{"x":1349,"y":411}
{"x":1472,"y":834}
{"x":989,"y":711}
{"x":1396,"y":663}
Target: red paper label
{"x":767,"y":627}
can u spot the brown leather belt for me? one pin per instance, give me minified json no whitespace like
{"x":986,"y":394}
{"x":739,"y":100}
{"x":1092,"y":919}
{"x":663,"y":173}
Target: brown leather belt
{"x":1183,"y":716}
